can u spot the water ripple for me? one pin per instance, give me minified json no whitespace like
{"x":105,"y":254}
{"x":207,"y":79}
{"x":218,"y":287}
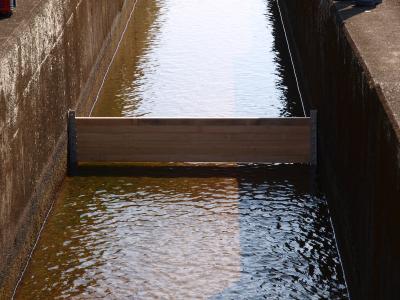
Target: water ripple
{"x":186,"y":238}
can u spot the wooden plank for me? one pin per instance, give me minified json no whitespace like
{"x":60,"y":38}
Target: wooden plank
{"x":193,"y":139}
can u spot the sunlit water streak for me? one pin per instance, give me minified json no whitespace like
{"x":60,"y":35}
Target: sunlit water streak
{"x":254,"y":234}
{"x":240,"y":237}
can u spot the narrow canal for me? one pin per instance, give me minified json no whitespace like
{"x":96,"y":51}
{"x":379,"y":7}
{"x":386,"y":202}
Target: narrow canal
{"x":194,"y":232}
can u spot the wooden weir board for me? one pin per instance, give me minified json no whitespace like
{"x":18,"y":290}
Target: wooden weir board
{"x":285,"y":140}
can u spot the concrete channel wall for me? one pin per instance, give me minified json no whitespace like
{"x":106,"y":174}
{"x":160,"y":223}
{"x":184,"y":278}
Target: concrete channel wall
{"x":53,"y":56}
{"x":350,"y":60}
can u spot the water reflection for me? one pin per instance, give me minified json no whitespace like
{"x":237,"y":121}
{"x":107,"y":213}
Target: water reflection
{"x":255,"y":235}
{"x":244,"y":232}
{"x":287,"y":246}
{"x":202,"y":58}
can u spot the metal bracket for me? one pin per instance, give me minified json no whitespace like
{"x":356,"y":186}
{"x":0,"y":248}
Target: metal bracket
{"x":314,"y":138}
{"x":72,"y":152}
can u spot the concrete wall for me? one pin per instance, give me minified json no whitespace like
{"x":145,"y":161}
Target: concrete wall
{"x":53,"y":56}
{"x":351,"y":68}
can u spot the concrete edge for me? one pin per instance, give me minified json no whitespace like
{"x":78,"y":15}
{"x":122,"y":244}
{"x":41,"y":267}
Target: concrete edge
{"x":389,"y":112}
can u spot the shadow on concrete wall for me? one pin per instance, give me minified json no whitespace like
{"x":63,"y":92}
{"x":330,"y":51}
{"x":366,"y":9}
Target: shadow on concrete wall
{"x":348,"y":9}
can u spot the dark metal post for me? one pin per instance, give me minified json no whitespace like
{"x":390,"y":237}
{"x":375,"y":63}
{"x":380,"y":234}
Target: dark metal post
{"x":314,"y":138}
{"x":313,"y":154}
{"x":72,"y":153}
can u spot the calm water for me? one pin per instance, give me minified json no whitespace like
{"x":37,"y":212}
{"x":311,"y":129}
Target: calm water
{"x":192,"y":232}
{"x":202,"y":58}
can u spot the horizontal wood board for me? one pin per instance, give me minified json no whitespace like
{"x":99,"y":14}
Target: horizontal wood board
{"x":285,"y":140}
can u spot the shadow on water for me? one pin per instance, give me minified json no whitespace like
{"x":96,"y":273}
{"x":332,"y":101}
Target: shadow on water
{"x":287,"y":83}
{"x":190,"y":170}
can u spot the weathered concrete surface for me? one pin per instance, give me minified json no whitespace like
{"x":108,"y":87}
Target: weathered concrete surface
{"x":53,"y":55}
{"x":351,"y":61}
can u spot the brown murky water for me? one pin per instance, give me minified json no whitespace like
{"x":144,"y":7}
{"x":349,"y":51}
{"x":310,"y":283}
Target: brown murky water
{"x":192,"y":232}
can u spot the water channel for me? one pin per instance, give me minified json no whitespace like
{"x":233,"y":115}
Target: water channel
{"x":192,"y":232}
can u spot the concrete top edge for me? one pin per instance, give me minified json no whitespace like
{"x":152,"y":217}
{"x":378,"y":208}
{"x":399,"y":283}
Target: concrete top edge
{"x":375,"y":32}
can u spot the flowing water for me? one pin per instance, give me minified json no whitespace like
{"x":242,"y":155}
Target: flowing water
{"x":187,"y":231}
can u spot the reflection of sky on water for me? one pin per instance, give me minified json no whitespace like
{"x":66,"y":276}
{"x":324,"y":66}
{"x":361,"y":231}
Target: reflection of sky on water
{"x":256,"y":234}
{"x":201,"y":58}
{"x":253,"y":236}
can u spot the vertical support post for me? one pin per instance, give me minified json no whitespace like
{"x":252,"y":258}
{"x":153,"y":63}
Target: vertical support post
{"x":313,"y":154}
{"x":314,"y":138}
{"x":72,"y":152}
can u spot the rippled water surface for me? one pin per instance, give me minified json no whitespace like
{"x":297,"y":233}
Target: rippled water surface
{"x":256,"y":234}
{"x":202,"y":58}
{"x":192,"y":232}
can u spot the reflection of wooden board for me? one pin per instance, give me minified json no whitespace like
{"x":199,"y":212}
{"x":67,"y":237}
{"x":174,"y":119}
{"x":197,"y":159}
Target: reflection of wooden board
{"x":193,"y":139}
